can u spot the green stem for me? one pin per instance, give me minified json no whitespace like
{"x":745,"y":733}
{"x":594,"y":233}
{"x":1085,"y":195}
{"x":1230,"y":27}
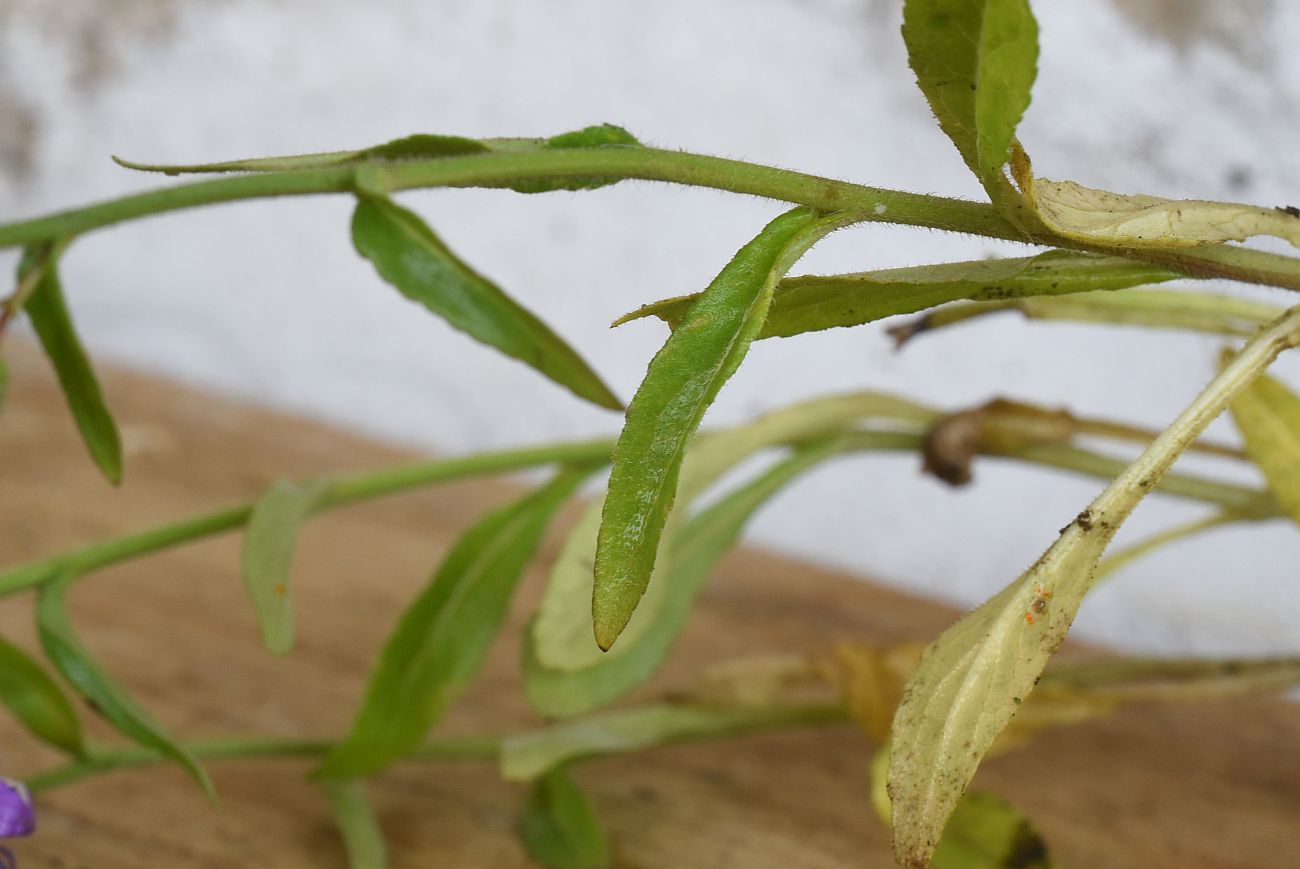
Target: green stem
{"x":344,"y":490}
{"x":449,"y":748}
{"x":499,"y":168}
{"x":1250,"y":503}
{"x":697,"y":722}
{"x":1246,"y":503}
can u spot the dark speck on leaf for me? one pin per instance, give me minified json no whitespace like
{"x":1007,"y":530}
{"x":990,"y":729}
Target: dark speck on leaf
{"x":1288,"y":209}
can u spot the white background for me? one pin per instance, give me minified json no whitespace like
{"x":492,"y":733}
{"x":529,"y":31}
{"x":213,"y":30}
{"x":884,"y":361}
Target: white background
{"x":268,"y":301}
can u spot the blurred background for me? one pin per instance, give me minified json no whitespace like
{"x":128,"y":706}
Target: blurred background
{"x":268,"y":302}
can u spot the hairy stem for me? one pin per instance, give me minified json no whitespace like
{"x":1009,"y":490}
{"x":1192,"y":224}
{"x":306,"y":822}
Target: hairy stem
{"x":496,"y":169}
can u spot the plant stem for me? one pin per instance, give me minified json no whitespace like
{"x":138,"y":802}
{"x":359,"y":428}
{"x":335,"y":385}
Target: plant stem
{"x":449,"y":748}
{"x":344,"y":490}
{"x":699,"y":722}
{"x":1250,"y":503}
{"x":501,"y":168}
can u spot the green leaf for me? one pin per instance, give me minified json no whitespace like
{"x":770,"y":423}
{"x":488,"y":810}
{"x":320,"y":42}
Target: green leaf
{"x":269,"y":543}
{"x":975,"y":61}
{"x":1268,"y":415}
{"x":49,"y":314}
{"x":813,"y":303}
{"x":37,"y":702}
{"x":535,"y":753}
{"x":111,"y":700}
{"x":680,"y":384}
{"x":600,"y":136}
{"x":362,"y":837}
{"x":987,"y":832}
{"x":422,"y":146}
{"x":559,"y":826}
{"x":425,"y":146}
{"x":685,"y":566}
{"x":442,"y":637}
{"x":973,"y":678}
{"x":408,"y":255}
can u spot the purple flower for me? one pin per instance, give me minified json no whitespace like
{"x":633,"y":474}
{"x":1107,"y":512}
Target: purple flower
{"x":16,"y":815}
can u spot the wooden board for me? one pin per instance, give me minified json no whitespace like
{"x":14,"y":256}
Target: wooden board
{"x":1192,"y":786}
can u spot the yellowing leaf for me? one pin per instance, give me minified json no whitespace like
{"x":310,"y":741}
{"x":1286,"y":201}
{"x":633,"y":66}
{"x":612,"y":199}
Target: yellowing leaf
{"x":1147,"y":309}
{"x":1268,"y":415}
{"x":1140,"y":221}
{"x":972,"y":679}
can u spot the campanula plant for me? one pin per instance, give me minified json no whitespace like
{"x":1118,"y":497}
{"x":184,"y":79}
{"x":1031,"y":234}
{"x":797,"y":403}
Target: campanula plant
{"x":622,"y":586}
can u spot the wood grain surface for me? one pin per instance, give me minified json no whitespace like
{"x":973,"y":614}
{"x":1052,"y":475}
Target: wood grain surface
{"x":1210,"y":785}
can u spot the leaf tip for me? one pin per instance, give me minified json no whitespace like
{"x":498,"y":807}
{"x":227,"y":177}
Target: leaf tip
{"x":607,"y":625}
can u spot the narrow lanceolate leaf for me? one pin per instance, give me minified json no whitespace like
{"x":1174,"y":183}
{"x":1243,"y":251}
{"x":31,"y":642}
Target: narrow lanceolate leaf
{"x":53,"y":324}
{"x":680,"y":384}
{"x":686,"y":566}
{"x":562,"y":629}
{"x":813,"y":303}
{"x":1268,"y":415}
{"x":1137,"y":221}
{"x":37,"y":702}
{"x":975,"y":61}
{"x":424,"y":146}
{"x":269,"y":544}
{"x":533,"y":754}
{"x":358,"y":826}
{"x":972,"y":680}
{"x":421,"y":146}
{"x":559,"y":826}
{"x":408,"y":255}
{"x":109,"y":699}
{"x":442,"y":637}
{"x":1147,"y":309}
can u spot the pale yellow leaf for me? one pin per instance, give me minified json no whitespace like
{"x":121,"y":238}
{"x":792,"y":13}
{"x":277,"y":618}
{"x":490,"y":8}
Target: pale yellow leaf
{"x":1136,"y":221}
{"x":973,"y":679}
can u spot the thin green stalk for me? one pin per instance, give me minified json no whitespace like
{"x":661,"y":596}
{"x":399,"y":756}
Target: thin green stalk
{"x":448,"y":748}
{"x":342,"y":491}
{"x":721,"y":722}
{"x":1246,"y":502}
{"x":1250,"y":503}
{"x":494,"y":169}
